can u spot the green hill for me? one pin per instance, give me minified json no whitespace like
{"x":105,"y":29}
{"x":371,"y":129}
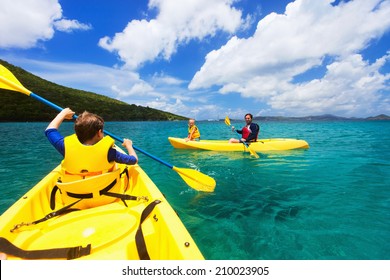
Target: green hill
{"x":17,"y":107}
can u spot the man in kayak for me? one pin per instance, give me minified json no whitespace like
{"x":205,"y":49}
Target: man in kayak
{"x":249,"y":132}
{"x":193,"y":131}
{"x":89,"y":132}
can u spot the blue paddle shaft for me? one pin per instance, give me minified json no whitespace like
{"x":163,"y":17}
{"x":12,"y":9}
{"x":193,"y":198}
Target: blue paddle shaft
{"x":58,"y":108}
{"x":139,"y":150}
{"x":47,"y":102}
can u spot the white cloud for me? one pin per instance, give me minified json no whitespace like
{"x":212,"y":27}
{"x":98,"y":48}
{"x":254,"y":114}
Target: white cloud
{"x":350,"y":86}
{"x":161,"y":92}
{"x":24,"y":23}
{"x":66,"y":25}
{"x":263,"y":68}
{"x":112,"y":82}
{"x":176,"y":107}
{"x":139,"y":88}
{"x":177,"y":22}
{"x":180,"y":107}
{"x":286,"y":45}
{"x":167,"y":80}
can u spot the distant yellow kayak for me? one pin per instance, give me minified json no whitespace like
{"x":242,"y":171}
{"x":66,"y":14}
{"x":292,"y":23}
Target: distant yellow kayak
{"x":274,"y":144}
{"x":142,"y":226}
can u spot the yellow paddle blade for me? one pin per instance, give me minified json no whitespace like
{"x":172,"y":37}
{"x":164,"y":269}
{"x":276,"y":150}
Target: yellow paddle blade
{"x":9,"y":81}
{"x":227,"y":121}
{"x":196,"y":179}
{"x":252,"y":152}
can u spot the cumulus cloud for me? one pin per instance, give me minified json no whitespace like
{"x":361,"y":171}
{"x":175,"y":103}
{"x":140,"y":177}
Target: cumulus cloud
{"x":115,"y":83}
{"x":161,"y":92}
{"x":283,"y":46}
{"x":161,"y":78}
{"x":24,"y":23}
{"x":138,"y":88}
{"x":350,"y":86}
{"x":68,"y":26}
{"x":267,"y":68}
{"x":177,"y":22}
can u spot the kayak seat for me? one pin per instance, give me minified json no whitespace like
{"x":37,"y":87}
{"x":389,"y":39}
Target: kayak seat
{"x":94,"y":191}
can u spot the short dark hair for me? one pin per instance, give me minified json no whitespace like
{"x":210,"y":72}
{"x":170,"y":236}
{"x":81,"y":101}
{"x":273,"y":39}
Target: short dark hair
{"x":249,"y":115}
{"x":87,"y":125}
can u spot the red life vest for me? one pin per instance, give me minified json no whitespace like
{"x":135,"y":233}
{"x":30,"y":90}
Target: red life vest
{"x":245,"y":132}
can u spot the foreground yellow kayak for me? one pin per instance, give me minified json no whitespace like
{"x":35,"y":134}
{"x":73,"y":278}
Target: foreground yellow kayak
{"x":141,"y":226}
{"x":274,"y":144}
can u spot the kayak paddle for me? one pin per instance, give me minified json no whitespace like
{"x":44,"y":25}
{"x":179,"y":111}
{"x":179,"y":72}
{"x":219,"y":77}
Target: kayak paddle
{"x":193,"y":178}
{"x":252,"y":152}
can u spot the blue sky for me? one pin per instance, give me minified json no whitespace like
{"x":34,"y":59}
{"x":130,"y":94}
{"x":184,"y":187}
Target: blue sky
{"x":210,"y":58}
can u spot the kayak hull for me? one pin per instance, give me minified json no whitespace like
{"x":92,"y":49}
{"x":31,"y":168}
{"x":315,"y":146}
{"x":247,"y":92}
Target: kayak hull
{"x":273,"y":144}
{"x":109,"y":229}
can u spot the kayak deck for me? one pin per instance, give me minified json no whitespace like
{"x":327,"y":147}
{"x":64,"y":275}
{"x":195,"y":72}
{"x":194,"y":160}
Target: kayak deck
{"x":109,"y":229}
{"x":273,"y":144}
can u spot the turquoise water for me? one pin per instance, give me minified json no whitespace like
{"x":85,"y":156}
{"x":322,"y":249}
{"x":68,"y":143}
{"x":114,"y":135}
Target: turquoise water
{"x":331,"y":201}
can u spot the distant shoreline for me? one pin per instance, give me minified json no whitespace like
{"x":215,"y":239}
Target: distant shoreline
{"x":381,"y":117}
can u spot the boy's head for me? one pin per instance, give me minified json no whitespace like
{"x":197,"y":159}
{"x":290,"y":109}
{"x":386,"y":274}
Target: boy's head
{"x":87,"y":125}
{"x":191,"y":122}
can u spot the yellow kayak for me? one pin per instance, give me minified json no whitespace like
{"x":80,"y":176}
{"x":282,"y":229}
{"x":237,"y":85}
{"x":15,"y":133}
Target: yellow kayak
{"x":141,"y":226}
{"x":274,"y":144}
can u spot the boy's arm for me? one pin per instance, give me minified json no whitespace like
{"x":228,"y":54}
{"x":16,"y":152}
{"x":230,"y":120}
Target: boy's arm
{"x":57,"y":121}
{"x":129,"y":146}
{"x":192,"y":132}
{"x":119,"y":157}
{"x":56,"y":139}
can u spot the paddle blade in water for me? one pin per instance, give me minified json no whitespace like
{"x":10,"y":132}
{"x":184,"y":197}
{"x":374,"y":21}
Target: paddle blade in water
{"x":196,"y":179}
{"x":9,"y":81}
{"x":252,"y":152}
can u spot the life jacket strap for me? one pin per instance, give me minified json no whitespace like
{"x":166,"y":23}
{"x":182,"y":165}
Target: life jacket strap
{"x":62,"y":211}
{"x":103,"y":191}
{"x":53,"y":253}
{"x":106,"y":192}
{"x":139,"y":236}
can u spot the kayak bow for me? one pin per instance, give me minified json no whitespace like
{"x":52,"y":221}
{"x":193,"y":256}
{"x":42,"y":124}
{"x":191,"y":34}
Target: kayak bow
{"x":40,"y":226}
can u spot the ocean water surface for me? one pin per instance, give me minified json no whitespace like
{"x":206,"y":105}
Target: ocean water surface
{"x":331,"y":201}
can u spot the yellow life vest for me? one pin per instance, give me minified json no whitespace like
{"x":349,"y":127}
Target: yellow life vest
{"x":196,"y":133}
{"x":87,"y":174}
{"x":87,"y":160}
